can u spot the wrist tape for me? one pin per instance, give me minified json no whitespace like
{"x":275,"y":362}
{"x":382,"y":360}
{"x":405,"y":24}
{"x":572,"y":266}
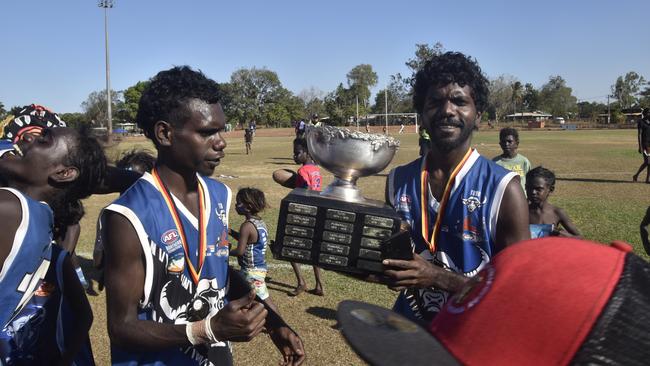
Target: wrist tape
{"x":200,"y":332}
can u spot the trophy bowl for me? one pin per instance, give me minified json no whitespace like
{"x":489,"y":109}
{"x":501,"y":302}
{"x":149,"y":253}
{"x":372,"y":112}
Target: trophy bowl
{"x":349,"y":155}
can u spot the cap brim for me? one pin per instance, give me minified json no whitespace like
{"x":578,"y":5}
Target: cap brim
{"x":383,"y":337}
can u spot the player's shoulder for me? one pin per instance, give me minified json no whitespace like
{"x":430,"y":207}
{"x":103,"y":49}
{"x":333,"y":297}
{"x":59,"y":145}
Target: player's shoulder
{"x":10,"y":204}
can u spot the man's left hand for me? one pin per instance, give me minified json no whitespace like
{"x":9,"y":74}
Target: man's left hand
{"x":289,"y":344}
{"x":418,"y":273}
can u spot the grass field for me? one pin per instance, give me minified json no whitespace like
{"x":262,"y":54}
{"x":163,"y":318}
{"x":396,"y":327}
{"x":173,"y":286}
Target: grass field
{"x":594,"y":170}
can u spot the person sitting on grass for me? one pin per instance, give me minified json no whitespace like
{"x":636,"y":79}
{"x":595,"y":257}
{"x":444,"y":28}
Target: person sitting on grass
{"x":252,"y":241}
{"x":545,"y":218}
{"x":510,"y":158}
{"x":308,"y":176}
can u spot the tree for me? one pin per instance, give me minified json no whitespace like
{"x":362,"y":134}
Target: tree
{"x":399,"y":99}
{"x":339,"y":105}
{"x":250,"y":93}
{"x":360,"y":79}
{"x":530,"y":98}
{"x":591,"y":110}
{"x":96,"y":109}
{"x":517,"y":95}
{"x":500,"y":97}
{"x":423,"y":53}
{"x":2,"y":111}
{"x":626,"y":89}
{"x":312,"y":100}
{"x":75,"y":119}
{"x":556,"y":97}
{"x":644,"y":100}
{"x":132,"y":97}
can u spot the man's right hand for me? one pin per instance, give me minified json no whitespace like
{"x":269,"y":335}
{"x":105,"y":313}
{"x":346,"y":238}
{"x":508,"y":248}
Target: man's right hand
{"x":239,"y":321}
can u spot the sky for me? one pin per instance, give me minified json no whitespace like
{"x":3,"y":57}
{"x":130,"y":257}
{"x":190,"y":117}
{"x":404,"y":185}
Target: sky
{"x":52,"y":52}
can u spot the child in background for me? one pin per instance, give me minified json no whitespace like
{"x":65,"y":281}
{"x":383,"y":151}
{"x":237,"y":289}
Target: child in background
{"x":308,"y":176}
{"x":137,"y":160}
{"x":510,"y":158}
{"x":252,"y":241}
{"x":545,"y":219}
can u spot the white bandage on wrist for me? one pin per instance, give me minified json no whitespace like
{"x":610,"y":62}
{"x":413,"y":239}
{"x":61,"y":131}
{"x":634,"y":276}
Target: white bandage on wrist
{"x":200,"y":332}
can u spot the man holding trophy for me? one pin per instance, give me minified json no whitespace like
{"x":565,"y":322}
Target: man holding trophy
{"x":456,"y":208}
{"x":461,"y":207}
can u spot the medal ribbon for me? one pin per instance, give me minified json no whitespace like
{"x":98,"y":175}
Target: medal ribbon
{"x":171,"y":206}
{"x":424,"y":198}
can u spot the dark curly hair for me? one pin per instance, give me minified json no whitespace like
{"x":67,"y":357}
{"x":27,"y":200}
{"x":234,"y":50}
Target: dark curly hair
{"x":509,"y":131}
{"x":252,"y":198}
{"x":87,"y":155}
{"x":165,"y":98}
{"x":302,"y":142}
{"x":451,"y":67}
{"x":543,"y":173}
{"x":134,"y":159}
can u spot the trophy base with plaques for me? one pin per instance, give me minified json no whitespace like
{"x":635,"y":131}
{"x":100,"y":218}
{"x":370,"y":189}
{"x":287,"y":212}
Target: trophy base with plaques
{"x":334,"y":234}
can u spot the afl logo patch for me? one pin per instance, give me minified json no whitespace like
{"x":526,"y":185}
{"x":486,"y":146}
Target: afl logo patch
{"x":170,"y":237}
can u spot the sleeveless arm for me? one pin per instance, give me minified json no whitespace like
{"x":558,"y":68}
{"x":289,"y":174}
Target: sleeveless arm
{"x":512,"y":222}
{"x":125,"y":276}
{"x":76,"y":298}
{"x":10,"y":217}
{"x":247,"y":235}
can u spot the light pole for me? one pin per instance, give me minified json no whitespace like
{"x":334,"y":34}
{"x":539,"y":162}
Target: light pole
{"x":106,"y":4}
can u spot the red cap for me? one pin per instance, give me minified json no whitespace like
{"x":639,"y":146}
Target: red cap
{"x":534,"y":304}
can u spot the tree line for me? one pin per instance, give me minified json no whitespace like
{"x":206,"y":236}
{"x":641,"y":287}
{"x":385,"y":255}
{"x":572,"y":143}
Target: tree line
{"x":257,"y":94}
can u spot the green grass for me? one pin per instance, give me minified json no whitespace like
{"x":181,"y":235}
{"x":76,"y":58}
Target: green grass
{"x":594,"y":170}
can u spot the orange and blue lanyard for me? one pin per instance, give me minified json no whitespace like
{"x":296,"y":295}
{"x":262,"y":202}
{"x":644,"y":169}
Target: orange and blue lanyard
{"x":424,"y":199}
{"x":173,"y":210}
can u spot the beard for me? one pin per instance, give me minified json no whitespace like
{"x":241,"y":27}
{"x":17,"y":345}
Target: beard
{"x":448,"y":144}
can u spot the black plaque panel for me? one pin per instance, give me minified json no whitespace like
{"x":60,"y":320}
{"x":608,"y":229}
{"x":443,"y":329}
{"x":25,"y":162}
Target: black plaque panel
{"x":378,"y":221}
{"x":343,"y":227}
{"x":301,"y":220}
{"x":370,"y":254}
{"x":371,"y":243}
{"x":376,"y":232}
{"x":340,"y":215}
{"x":293,"y":241}
{"x":335,"y":248}
{"x":303,"y":209}
{"x":296,"y":253}
{"x":370,"y":266}
{"x":305,"y":232}
{"x":337,"y":237}
{"x":334,"y":260}
{"x":335,"y":234}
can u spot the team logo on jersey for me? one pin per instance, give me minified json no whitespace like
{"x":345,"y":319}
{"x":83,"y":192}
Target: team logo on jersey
{"x":473,"y":203}
{"x":404,"y":203}
{"x":170,"y":237}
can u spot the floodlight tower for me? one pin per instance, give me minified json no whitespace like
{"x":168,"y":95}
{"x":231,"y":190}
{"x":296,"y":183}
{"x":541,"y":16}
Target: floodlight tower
{"x":107,"y":4}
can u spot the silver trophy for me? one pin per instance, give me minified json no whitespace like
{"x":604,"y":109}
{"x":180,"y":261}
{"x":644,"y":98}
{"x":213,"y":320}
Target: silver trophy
{"x":349,"y":155}
{"x":338,"y":228}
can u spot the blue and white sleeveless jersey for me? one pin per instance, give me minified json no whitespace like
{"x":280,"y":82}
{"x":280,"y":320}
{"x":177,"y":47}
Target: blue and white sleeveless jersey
{"x":466,"y":240}
{"x":29,"y":258}
{"x":168,"y":286}
{"x":253,"y":257}
{"x":37,"y":335}
{"x":5,"y":146}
